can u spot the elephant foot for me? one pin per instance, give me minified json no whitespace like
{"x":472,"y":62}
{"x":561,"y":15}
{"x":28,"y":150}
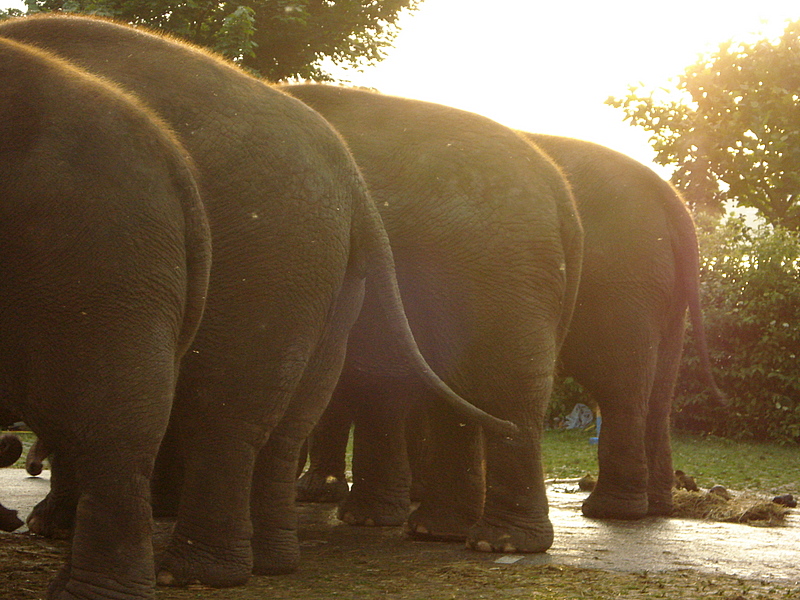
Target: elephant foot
{"x":188,"y":561}
{"x":374,"y":513}
{"x":52,"y":519}
{"x":489,"y":536}
{"x":65,"y":586}
{"x":659,"y":505}
{"x":443,"y":525}
{"x":604,"y":505}
{"x":57,"y":590}
{"x":9,"y":521}
{"x":276,"y":552}
{"x":417,"y":491}
{"x":314,"y":486}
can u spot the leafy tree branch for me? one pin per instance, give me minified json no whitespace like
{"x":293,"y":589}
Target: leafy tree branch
{"x":731,"y":127}
{"x":278,"y":39}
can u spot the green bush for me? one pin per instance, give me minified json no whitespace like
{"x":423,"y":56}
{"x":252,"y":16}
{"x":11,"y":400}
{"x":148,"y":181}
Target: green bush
{"x":750,"y":286}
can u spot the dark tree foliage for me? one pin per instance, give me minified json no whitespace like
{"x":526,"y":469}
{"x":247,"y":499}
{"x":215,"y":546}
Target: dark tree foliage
{"x":750,"y":283}
{"x":278,"y":39}
{"x":10,"y":13}
{"x":735,"y":133}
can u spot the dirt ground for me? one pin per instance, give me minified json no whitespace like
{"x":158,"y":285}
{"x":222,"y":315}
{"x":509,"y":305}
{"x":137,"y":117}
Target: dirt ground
{"x":600,"y":560}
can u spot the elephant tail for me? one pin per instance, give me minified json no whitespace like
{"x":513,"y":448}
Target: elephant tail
{"x":197,"y":240}
{"x":687,"y":251}
{"x":379,"y":269}
{"x":36,"y":455}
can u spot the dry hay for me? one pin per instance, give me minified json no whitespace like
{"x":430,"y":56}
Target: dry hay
{"x":744,"y":507}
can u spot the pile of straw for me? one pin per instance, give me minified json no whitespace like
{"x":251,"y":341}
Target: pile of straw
{"x":742,"y":507}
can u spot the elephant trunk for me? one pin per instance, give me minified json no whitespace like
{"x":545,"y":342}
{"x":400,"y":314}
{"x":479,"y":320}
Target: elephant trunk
{"x":688,"y":260}
{"x":10,"y":449}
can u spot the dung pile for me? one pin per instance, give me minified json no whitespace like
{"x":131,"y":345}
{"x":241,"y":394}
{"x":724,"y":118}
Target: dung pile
{"x":714,"y":505}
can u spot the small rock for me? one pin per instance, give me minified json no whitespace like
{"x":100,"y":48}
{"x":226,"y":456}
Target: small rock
{"x":720,"y":491}
{"x":785,"y":500}
{"x":685,"y":482}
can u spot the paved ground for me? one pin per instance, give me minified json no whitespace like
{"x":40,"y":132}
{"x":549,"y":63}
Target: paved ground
{"x":658,"y":544}
{"x":651,"y":545}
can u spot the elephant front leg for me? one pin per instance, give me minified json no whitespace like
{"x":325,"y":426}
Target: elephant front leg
{"x":515,"y":515}
{"x":325,"y":479}
{"x":659,"y":465}
{"x":380,"y":495}
{"x":452,"y":481}
{"x":621,"y":490}
{"x":54,"y":516}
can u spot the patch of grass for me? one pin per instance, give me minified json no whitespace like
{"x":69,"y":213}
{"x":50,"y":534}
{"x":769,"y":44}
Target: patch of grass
{"x":567,"y":454}
{"x":737,"y":465}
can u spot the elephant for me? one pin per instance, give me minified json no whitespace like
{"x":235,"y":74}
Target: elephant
{"x":106,"y":260}
{"x":639,"y":276}
{"x":487,"y":247}
{"x":295,"y":235}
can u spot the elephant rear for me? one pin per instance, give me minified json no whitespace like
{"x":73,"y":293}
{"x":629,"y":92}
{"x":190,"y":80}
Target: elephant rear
{"x":487,"y":246}
{"x":105,"y":260}
{"x":641,"y":273}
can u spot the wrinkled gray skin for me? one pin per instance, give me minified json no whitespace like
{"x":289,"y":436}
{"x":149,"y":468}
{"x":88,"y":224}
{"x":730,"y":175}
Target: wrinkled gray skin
{"x":294,"y":235}
{"x":487,"y":247}
{"x":640,"y":273}
{"x":106,"y":256}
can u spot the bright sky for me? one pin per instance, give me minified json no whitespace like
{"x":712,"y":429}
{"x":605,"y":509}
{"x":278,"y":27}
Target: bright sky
{"x":549,"y":66}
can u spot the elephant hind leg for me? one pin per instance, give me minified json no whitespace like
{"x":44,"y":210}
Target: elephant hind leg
{"x":102,"y":481}
{"x":515,"y":519}
{"x":657,"y":437}
{"x":621,"y":490}
{"x":112,"y":525}
{"x":275,"y":545}
{"x":54,"y":516}
{"x":453,"y":479}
